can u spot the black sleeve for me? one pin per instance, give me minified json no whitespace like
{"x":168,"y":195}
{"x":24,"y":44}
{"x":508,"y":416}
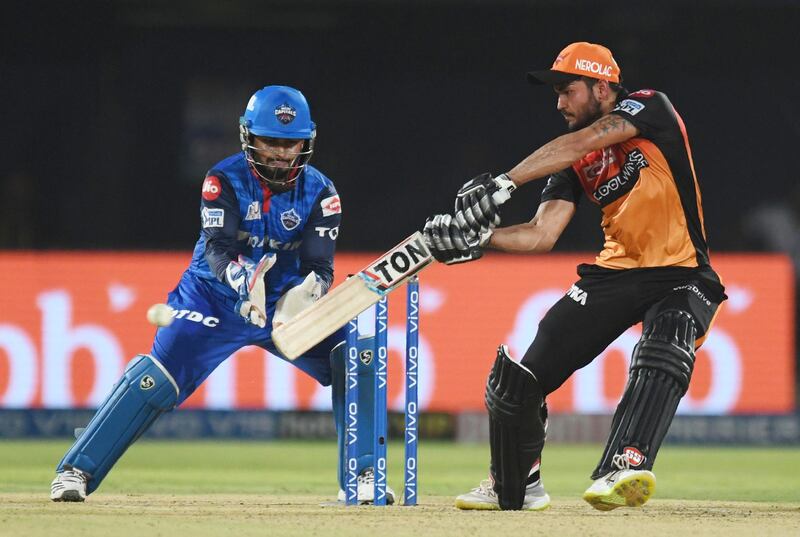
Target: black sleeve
{"x":651,"y":113}
{"x":563,"y":185}
{"x":319,"y":237}
{"x":219,"y":215}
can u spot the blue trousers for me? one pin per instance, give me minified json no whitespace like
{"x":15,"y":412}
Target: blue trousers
{"x":206,"y":331}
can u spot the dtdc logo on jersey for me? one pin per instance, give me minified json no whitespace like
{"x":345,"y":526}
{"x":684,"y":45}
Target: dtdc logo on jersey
{"x":629,"y":106}
{"x":290,"y":219}
{"x":213,"y":217}
{"x":285,"y":113}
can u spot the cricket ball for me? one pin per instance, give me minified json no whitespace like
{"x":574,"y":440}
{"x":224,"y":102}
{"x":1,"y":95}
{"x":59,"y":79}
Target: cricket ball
{"x":160,"y":315}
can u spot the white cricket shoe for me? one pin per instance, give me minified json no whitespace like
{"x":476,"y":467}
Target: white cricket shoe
{"x":366,"y":489}
{"x":620,"y":488}
{"x":68,"y":486}
{"x":485,"y":498}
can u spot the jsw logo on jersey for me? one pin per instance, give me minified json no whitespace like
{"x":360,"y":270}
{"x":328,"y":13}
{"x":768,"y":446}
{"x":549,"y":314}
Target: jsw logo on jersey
{"x":258,"y":242}
{"x":196,"y":316}
{"x":578,"y":295}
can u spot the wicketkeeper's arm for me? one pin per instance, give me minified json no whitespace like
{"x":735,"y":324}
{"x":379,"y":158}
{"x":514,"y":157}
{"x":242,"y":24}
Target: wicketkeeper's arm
{"x":319,"y":240}
{"x":219,"y":220}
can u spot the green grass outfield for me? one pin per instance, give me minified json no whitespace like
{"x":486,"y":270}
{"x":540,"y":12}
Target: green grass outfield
{"x":253,"y":488}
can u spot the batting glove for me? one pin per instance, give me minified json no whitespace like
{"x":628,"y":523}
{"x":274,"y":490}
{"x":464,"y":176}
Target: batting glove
{"x":450,"y":243}
{"x":478,"y":201}
{"x":247,"y":278}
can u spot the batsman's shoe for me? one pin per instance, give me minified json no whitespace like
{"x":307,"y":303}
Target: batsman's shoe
{"x":483,"y":497}
{"x":366,"y":489}
{"x":68,"y":486}
{"x":620,"y":488}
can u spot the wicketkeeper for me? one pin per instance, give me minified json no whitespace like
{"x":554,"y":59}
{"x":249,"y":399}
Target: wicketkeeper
{"x":628,"y":153}
{"x":269,"y":222}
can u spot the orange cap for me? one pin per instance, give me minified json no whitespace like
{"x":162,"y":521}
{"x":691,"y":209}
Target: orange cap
{"x":579,"y":59}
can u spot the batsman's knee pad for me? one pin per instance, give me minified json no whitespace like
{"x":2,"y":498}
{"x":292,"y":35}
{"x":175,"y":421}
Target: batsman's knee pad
{"x":145,"y":391}
{"x":366,"y":403}
{"x":515,"y":401}
{"x":661,"y":368}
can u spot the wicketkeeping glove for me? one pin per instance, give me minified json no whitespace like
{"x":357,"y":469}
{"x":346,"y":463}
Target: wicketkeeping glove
{"x":247,"y":278}
{"x":297,"y":299}
{"x":450,"y":243}
{"x":478,"y":201}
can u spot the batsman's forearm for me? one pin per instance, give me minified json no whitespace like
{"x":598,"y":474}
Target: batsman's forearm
{"x":528,"y":238}
{"x":552,"y":157}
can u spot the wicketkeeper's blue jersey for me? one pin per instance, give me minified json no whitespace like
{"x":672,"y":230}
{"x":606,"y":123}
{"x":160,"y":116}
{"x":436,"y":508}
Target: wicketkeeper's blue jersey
{"x":239,"y":216}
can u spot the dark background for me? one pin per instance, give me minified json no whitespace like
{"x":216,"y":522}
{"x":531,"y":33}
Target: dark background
{"x":111,"y":111}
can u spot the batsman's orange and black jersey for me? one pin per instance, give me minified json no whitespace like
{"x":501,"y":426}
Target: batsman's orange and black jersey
{"x":646,"y":188}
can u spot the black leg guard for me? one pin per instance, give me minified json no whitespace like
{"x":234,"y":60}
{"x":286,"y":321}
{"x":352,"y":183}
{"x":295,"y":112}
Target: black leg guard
{"x":516,"y":430}
{"x":661,"y":368}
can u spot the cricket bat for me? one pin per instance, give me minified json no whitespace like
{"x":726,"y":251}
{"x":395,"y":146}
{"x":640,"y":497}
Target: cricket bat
{"x":353,"y":296}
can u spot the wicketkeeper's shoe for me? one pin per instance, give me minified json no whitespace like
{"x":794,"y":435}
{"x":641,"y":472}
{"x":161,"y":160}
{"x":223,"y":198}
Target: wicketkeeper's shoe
{"x":484,"y":497}
{"x":366,"y":489}
{"x":620,"y":488}
{"x":68,"y":486}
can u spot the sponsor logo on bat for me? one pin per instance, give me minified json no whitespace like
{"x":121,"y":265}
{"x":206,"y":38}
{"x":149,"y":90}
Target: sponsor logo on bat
{"x":402,"y":261}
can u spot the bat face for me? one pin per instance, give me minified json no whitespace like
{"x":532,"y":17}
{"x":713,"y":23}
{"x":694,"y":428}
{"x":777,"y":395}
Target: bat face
{"x":356,"y":294}
{"x":398,"y":264}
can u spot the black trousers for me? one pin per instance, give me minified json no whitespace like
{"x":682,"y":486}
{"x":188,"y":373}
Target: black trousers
{"x":604,"y":303}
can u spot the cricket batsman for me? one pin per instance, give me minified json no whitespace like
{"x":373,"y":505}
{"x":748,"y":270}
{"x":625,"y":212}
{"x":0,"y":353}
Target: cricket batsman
{"x":269,"y":222}
{"x":628,"y":153}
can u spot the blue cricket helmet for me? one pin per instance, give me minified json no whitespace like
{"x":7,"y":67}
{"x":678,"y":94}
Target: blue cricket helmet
{"x":277,"y":112}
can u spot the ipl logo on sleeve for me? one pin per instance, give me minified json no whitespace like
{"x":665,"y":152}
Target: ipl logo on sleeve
{"x":630,"y":106}
{"x":213,"y":217}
